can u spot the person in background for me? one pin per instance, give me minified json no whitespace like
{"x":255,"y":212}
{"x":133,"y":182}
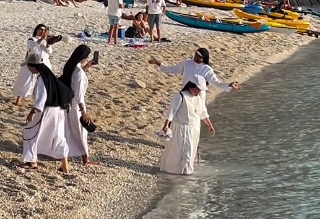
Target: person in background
{"x":114,"y":14}
{"x":74,"y":77}
{"x":45,"y":132}
{"x":139,"y":26}
{"x":154,"y":9}
{"x":186,"y":111}
{"x":25,"y":81}
{"x":198,"y":65}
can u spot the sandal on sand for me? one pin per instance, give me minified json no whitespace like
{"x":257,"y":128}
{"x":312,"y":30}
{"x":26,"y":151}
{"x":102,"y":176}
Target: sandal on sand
{"x":61,"y":171}
{"x":92,"y":163}
{"x":53,"y":39}
{"x":28,"y":166}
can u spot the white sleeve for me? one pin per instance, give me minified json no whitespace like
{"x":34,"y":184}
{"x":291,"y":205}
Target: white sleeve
{"x":204,"y":111}
{"x":120,"y":2}
{"x":212,"y":78}
{"x":49,"y":49}
{"x":79,"y":90}
{"x":32,"y":44}
{"x":174,"y":106}
{"x":163,"y":3}
{"x":40,"y":95}
{"x":174,"y":69}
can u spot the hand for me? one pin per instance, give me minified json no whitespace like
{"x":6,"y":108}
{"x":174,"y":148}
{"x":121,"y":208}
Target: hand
{"x":85,"y":117}
{"x":165,"y":128}
{"x":45,"y":34}
{"x":30,"y":117}
{"x":211,"y":130}
{"x":153,"y":61}
{"x":235,"y":85}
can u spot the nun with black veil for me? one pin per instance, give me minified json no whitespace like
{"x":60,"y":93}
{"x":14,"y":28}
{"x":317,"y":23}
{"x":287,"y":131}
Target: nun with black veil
{"x":75,"y":78}
{"x":44,"y":133}
{"x":25,"y":80}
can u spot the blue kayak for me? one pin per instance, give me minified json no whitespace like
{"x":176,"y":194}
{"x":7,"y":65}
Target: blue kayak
{"x":194,"y":21}
{"x":252,"y":9}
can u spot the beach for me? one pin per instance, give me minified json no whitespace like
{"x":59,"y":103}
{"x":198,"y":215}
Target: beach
{"x":127,"y":114}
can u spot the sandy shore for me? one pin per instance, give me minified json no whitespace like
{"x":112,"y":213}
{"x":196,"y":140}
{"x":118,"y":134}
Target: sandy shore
{"x":126,"y":115}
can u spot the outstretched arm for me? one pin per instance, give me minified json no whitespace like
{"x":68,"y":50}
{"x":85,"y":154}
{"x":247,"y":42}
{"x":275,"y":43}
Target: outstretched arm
{"x":174,"y":69}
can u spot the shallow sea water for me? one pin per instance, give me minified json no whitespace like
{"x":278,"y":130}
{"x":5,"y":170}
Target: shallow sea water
{"x":264,"y":160}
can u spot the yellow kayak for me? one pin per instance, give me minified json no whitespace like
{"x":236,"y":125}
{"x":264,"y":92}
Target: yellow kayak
{"x":289,"y":15}
{"x":235,"y":1}
{"x":213,"y":4}
{"x":291,"y":23}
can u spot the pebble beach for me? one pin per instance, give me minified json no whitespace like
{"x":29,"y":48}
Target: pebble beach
{"x":126,"y":99}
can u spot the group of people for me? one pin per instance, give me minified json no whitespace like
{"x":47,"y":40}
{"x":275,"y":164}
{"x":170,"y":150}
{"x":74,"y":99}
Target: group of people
{"x":143,"y":22}
{"x":54,"y":128}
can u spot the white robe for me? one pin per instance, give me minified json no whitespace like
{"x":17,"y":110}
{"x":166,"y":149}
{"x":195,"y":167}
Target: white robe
{"x":45,"y":136}
{"x":26,"y":81}
{"x":180,"y":151}
{"x":76,"y":135}
{"x":189,"y":68}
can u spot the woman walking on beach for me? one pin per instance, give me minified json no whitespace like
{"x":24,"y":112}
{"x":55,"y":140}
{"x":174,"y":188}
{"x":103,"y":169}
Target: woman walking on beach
{"x":25,"y":81}
{"x":186,"y":110}
{"x":44,"y":133}
{"x":75,"y":78}
{"x":198,"y":65}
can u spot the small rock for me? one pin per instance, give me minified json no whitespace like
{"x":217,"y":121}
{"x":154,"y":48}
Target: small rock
{"x":139,"y":83}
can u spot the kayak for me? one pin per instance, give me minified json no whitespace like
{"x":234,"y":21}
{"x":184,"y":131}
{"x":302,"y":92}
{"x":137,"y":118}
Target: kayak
{"x":314,"y":13}
{"x":218,"y":25}
{"x":275,"y":27}
{"x":291,"y":23}
{"x":287,"y":15}
{"x":213,"y":4}
{"x":252,"y":9}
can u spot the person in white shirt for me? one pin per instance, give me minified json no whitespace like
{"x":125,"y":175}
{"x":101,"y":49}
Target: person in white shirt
{"x":154,"y":9}
{"x":114,"y":14}
{"x":198,"y":65}
{"x":186,"y":111}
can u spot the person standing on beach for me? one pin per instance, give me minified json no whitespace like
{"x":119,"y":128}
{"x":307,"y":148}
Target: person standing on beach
{"x":198,"y":65}
{"x":44,"y":133}
{"x":25,"y":81}
{"x":154,"y":9}
{"x":75,"y":78}
{"x":186,"y":111}
{"x":114,"y":14}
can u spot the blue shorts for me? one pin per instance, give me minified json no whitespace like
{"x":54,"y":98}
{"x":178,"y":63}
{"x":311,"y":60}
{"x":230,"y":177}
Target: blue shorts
{"x":114,"y":20}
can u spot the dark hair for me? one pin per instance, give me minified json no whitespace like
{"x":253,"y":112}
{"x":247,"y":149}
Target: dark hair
{"x":188,"y":86}
{"x":80,"y":53}
{"x":205,"y":55}
{"x":37,"y":28}
{"x":137,"y":15}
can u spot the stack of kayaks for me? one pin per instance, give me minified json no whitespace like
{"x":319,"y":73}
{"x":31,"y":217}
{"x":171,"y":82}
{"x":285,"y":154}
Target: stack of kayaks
{"x":275,"y":27}
{"x":287,"y":15}
{"x":290,"y":23}
{"x":213,"y":4}
{"x":219,"y":25}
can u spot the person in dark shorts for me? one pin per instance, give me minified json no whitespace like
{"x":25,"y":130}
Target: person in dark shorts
{"x":154,"y":9}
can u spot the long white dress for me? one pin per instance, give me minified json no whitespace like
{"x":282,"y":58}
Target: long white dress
{"x":180,"y":151}
{"x":76,"y":135}
{"x":26,"y":81}
{"x":189,"y":68}
{"x":46,"y":135}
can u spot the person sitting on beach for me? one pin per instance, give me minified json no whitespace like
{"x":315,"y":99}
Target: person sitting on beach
{"x":140,"y":29}
{"x":186,"y":110}
{"x":74,"y":77}
{"x":44,"y":133}
{"x":25,"y":81}
{"x":198,"y":65}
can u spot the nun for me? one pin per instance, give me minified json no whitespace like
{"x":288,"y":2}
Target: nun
{"x":44,"y":133}
{"x":199,"y":65}
{"x":186,"y":111}
{"x":25,"y":80}
{"x":74,"y":77}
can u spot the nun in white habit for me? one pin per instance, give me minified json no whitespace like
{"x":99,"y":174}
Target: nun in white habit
{"x":186,"y":111}
{"x":199,"y":65}
{"x":44,"y":133}
{"x":75,"y":78}
{"x":25,"y":80}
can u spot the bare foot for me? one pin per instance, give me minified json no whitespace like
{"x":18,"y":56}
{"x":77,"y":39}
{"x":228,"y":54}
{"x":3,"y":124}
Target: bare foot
{"x":92,"y":163}
{"x":29,"y":166}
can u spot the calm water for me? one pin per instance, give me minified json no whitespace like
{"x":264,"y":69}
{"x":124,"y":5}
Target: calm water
{"x":264,"y":159}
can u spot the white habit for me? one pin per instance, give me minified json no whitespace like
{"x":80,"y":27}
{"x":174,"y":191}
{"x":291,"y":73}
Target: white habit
{"x":26,"y":81}
{"x":189,"y":68}
{"x":76,"y":135}
{"x":45,"y":137}
{"x":181,"y":150}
